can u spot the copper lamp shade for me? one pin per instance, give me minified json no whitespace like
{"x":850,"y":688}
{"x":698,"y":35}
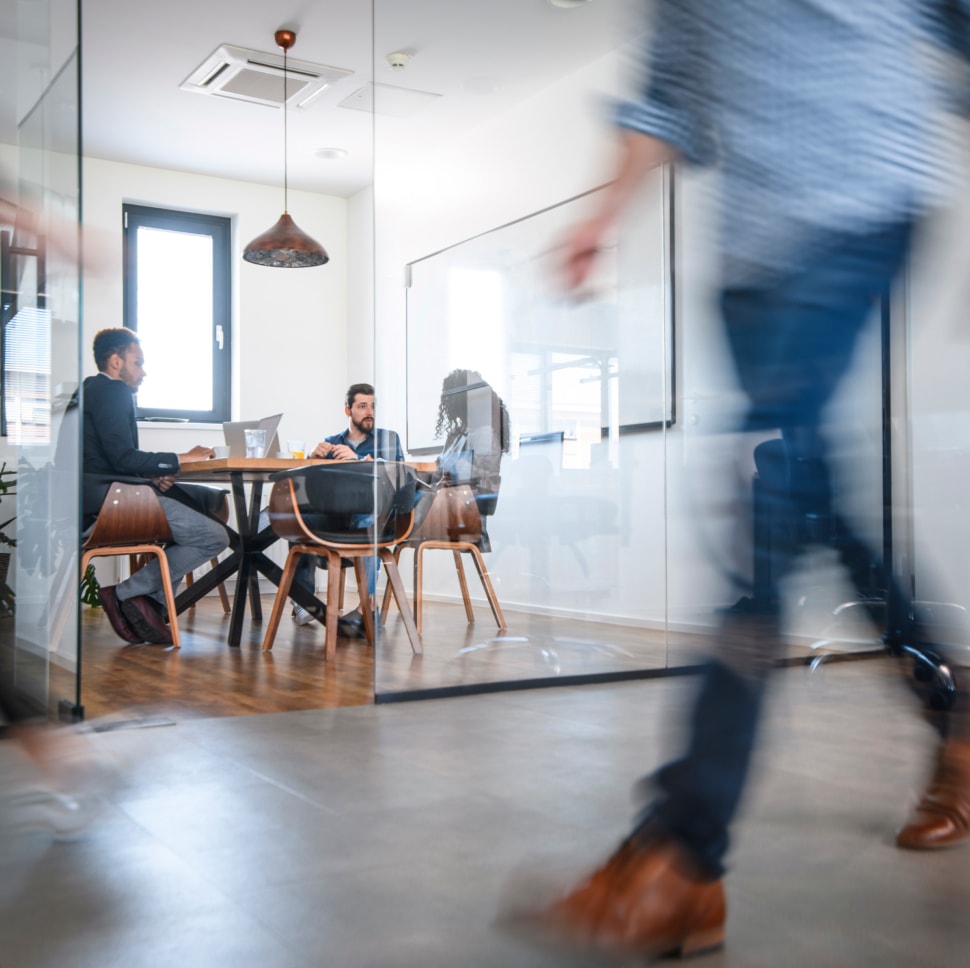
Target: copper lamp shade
{"x":285,"y":245}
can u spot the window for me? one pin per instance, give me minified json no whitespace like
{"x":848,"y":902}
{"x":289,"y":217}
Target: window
{"x":177,"y":298}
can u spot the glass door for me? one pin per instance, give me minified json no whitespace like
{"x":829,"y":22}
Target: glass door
{"x":39,"y":447}
{"x":542,"y":416}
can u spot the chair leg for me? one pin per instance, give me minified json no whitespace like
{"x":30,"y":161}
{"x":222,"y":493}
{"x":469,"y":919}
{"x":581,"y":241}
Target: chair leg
{"x":397,"y":588}
{"x":386,"y":603}
{"x":282,"y":594}
{"x":141,"y":555}
{"x":255,"y":602}
{"x":418,"y":586}
{"x":223,"y":594}
{"x":343,"y":581}
{"x":465,"y":597}
{"x":487,"y":585}
{"x":333,"y":606}
{"x":137,"y":562}
{"x":169,"y":598}
{"x":363,"y":593}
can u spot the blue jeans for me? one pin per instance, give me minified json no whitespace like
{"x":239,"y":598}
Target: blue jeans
{"x":791,"y":343}
{"x":305,"y":574}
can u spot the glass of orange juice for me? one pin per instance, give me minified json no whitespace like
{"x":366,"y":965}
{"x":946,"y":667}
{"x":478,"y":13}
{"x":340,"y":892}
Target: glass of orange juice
{"x":297,"y":449}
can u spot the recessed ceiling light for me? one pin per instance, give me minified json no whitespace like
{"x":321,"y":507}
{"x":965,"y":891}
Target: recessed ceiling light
{"x":330,"y":154}
{"x":569,"y":4}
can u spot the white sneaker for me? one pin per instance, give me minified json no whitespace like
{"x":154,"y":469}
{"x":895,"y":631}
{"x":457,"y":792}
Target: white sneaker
{"x":301,"y":616}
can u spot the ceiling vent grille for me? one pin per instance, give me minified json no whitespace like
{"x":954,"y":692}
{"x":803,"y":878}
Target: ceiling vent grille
{"x":257,"y":77}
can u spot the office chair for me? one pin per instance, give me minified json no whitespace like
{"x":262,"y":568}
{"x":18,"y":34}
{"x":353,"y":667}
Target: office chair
{"x":455,"y":521}
{"x":353,"y":510}
{"x":131,"y":522}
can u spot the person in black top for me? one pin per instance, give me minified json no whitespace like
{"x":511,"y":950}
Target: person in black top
{"x":135,"y":607}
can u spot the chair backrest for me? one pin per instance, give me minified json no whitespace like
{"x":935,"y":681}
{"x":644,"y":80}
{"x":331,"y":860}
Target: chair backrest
{"x":488,"y":497}
{"x":356,"y":502}
{"x":130,"y":514}
{"x":451,"y":514}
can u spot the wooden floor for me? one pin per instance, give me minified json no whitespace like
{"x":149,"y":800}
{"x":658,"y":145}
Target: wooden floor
{"x":207,"y":678}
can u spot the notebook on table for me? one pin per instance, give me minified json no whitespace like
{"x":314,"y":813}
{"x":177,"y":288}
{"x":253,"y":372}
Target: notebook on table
{"x":235,"y":434}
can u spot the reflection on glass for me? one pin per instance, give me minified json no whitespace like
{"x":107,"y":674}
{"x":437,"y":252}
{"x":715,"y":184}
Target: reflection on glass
{"x":41,"y":286}
{"x":577,"y":557}
{"x":26,"y":385}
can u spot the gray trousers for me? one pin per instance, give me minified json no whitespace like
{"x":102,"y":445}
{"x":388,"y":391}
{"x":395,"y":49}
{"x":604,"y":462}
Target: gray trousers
{"x":196,"y":539}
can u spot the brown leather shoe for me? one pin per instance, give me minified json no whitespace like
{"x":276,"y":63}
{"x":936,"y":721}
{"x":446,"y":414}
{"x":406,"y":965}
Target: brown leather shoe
{"x":110,"y":604}
{"x":146,"y":620}
{"x":646,"y":900}
{"x":942,"y":816}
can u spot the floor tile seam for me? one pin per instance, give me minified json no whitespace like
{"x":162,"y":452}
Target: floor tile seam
{"x":147,"y":840}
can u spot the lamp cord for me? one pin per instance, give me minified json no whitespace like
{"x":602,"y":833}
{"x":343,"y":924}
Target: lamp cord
{"x":285,"y":164}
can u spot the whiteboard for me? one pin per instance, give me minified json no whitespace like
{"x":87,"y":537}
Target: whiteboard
{"x":591,"y":364}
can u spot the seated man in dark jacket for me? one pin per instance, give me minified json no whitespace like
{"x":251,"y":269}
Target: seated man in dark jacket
{"x":135,"y":607}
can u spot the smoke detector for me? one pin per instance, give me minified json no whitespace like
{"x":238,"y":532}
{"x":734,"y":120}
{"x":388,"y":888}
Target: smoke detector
{"x":399,"y":60}
{"x":257,"y":77}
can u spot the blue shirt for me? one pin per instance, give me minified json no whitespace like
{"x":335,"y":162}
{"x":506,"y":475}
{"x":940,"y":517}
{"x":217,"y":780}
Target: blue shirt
{"x":822,"y":115}
{"x":388,"y":444}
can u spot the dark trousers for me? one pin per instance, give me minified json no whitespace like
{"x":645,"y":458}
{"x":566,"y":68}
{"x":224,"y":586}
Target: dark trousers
{"x":791,"y":342}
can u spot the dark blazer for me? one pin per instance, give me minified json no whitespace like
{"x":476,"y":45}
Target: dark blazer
{"x":111,"y":449}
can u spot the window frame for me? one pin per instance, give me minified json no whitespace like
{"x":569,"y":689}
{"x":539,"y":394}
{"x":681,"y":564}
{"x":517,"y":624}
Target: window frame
{"x":219,"y":229}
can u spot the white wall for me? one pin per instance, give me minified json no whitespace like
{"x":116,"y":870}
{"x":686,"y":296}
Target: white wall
{"x":303,"y":336}
{"x":938,"y":455}
{"x":289,"y":328}
{"x":553,"y":147}
{"x":676,"y":497}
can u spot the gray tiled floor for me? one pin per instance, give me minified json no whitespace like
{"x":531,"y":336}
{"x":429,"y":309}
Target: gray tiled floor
{"x":389,"y":835}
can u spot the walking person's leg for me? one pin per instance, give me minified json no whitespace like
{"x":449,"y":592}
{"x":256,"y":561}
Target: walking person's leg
{"x":791,"y":343}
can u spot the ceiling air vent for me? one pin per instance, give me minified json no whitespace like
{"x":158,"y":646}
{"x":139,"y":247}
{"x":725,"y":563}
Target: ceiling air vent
{"x":257,"y":77}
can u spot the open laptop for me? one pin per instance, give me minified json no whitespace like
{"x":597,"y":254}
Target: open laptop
{"x":235,"y":434}
{"x":457,"y":465}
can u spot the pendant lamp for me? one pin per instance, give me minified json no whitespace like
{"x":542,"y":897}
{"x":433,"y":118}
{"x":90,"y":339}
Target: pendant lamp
{"x":285,"y":245}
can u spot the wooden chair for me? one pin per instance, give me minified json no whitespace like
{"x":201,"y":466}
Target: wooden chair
{"x":331,"y":496}
{"x":131,"y":522}
{"x":453,"y":523}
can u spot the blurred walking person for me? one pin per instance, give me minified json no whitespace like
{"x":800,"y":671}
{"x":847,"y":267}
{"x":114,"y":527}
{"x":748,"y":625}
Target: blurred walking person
{"x":823,"y":119}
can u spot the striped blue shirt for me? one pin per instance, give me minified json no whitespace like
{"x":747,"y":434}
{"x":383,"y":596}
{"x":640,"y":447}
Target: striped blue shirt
{"x":822,"y":115}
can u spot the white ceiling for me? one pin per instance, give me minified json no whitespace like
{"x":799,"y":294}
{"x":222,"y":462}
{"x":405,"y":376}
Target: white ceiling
{"x":480,"y":55}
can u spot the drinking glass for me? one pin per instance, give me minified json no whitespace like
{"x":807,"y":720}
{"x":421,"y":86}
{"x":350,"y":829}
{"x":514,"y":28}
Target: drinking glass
{"x":256,"y":443}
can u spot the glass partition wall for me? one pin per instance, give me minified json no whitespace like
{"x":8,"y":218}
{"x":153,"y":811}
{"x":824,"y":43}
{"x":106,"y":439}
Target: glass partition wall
{"x":39,"y":521}
{"x":545,"y":416}
{"x":620,"y":508}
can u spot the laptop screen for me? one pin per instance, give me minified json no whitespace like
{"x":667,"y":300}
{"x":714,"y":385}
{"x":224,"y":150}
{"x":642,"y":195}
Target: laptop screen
{"x":235,"y":434}
{"x":457,"y":465}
